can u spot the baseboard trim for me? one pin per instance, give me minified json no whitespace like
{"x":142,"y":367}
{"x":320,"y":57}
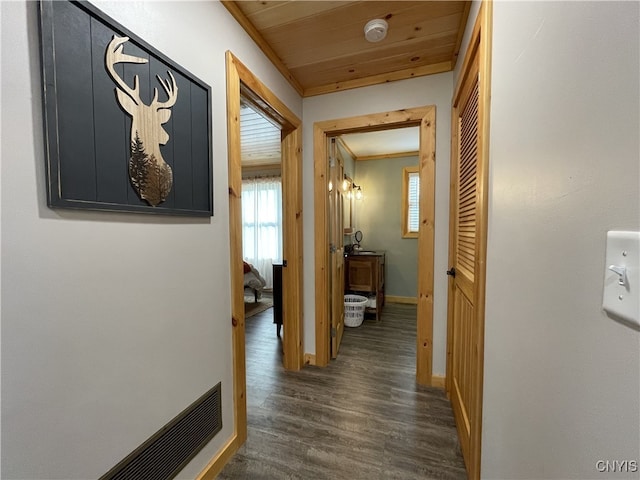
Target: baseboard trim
{"x":405,"y":300}
{"x":309,"y":359}
{"x":438,"y":381}
{"x":220,"y":459}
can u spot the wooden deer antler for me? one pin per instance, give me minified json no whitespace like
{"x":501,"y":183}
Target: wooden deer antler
{"x":150,"y":175}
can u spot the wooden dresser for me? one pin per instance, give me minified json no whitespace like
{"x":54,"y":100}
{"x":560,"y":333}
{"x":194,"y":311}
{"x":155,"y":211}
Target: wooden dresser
{"x":364,"y":275}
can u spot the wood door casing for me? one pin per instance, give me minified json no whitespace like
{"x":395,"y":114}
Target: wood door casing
{"x":425,"y":118}
{"x":467,"y":242}
{"x":242,"y":83}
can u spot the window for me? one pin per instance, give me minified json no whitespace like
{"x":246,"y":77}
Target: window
{"x":410,"y":202}
{"x":262,"y":224}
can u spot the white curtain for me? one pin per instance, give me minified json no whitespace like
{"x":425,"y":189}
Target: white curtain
{"x":262,"y":224}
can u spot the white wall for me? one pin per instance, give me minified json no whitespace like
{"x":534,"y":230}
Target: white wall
{"x":561,"y":378}
{"x":471,"y":20}
{"x":417,"y":92}
{"x":103,"y":343}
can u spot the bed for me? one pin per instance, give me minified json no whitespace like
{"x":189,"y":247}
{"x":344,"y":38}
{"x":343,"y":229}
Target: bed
{"x":253,"y":280}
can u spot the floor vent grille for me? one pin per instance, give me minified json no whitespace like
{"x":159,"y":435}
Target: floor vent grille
{"x":170,"y":448}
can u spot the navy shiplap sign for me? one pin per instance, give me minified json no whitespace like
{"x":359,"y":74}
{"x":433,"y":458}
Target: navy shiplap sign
{"x":126,"y":128}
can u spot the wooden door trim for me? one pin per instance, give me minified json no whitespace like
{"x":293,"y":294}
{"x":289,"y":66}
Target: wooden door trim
{"x":480,"y":46}
{"x":240,"y":77}
{"x":425,"y":118}
{"x":426,"y":239}
{"x":486,"y":19}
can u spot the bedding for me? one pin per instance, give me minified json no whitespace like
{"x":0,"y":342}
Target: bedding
{"x":253,"y":280}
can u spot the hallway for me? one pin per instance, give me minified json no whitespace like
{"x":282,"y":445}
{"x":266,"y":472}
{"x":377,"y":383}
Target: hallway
{"x":362,"y":417}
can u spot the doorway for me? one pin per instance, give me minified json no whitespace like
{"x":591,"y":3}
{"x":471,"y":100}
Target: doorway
{"x":424,"y":117}
{"x":243,"y":86}
{"x":380,"y":217}
{"x":261,"y":213}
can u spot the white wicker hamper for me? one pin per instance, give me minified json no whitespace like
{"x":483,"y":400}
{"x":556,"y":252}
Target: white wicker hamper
{"x":354,"y":306}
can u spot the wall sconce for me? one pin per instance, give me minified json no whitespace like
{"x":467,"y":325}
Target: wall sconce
{"x":351,"y":189}
{"x":358,"y":191}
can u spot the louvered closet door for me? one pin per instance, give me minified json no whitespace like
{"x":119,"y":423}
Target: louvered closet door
{"x":462,"y":286}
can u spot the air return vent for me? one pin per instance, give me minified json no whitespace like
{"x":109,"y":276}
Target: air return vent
{"x":170,"y":448}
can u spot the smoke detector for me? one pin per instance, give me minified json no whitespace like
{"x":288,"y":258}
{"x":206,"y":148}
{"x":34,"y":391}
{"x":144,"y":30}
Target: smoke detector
{"x":375,"y":30}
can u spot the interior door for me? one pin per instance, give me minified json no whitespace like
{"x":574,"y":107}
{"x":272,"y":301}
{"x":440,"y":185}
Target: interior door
{"x":464,"y":330}
{"x":468,"y":240}
{"x":336,"y":247}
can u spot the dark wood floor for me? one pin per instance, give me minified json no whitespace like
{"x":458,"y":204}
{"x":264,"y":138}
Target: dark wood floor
{"x":362,"y":417}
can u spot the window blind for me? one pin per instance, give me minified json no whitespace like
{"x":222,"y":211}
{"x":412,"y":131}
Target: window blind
{"x":413,"y":200}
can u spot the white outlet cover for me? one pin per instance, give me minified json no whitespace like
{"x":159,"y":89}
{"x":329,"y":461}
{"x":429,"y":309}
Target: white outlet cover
{"x":622,"y":301}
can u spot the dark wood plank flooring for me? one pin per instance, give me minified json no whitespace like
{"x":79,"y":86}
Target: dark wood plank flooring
{"x":362,"y":417}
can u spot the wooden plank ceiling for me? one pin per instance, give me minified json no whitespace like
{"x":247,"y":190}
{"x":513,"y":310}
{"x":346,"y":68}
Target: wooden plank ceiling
{"x":319,"y":46}
{"x":259,"y":139}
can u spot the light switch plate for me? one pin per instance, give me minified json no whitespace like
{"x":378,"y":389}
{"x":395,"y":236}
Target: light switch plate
{"x":621,"y":297}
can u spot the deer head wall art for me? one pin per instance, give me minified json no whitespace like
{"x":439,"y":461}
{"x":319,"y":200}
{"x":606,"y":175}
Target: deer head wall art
{"x":151,"y":176}
{"x":113,"y":142}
